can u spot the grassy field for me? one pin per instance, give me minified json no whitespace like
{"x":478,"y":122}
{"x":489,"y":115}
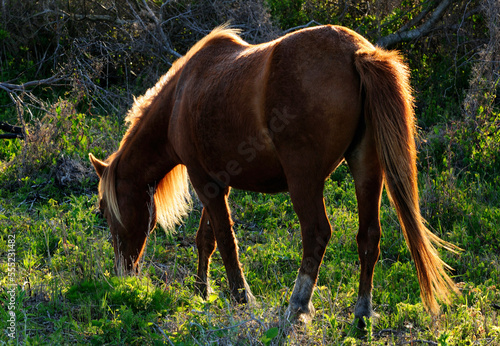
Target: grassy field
{"x":61,"y":287}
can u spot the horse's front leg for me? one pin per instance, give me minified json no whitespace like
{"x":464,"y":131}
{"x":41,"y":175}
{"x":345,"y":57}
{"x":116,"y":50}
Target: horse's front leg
{"x":215,"y":204}
{"x":205,"y":242}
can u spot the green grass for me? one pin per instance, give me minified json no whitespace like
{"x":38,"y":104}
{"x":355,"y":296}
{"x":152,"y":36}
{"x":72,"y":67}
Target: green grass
{"x":67,"y":292}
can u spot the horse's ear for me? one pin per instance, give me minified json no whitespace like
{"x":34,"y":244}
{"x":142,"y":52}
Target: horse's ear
{"x":99,"y":165}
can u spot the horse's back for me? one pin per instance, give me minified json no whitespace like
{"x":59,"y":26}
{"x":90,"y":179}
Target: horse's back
{"x":247,"y":114}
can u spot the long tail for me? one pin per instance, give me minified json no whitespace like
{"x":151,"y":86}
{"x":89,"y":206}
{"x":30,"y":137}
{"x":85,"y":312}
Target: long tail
{"x":389,"y":109}
{"x":172,"y":198}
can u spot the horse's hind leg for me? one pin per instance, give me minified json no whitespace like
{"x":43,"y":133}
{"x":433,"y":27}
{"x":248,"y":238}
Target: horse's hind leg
{"x":205,"y":242}
{"x":307,"y":198}
{"x":365,"y":168}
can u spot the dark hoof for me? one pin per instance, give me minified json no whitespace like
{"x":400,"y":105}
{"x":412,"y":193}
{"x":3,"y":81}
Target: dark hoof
{"x":363,"y":312}
{"x":297,"y":313}
{"x":244,"y":296}
{"x":362,"y":322}
{"x":203,"y":289}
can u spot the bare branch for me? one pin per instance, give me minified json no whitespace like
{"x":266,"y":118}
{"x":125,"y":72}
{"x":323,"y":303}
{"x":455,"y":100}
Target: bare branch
{"x":416,"y":19}
{"x":91,"y":17}
{"x":10,"y":136}
{"x":164,"y":42}
{"x":302,"y":26}
{"x":408,"y":35}
{"x":16,"y":130}
{"x":22,"y":87}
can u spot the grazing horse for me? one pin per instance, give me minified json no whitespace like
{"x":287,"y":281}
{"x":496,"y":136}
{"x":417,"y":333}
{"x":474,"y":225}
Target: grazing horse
{"x":278,"y":116}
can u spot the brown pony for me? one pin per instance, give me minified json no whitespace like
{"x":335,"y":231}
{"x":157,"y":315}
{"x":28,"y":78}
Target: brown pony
{"x":279,"y":116}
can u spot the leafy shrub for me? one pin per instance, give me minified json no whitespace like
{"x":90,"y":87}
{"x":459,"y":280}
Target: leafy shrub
{"x":58,"y":144}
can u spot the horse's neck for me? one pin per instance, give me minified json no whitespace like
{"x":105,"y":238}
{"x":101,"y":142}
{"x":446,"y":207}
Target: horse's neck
{"x":148,"y":155}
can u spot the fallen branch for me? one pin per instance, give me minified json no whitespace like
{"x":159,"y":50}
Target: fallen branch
{"x":404,"y":34}
{"x":10,"y":128}
{"x":10,"y":136}
{"x":8,"y":87}
{"x":92,"y":17}
{"x":14,"y":131}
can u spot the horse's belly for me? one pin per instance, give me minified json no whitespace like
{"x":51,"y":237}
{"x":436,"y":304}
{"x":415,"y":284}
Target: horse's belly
{"x":249,"y":169}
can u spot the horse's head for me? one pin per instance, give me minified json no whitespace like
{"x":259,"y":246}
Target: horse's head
{"x":127,"y":246}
